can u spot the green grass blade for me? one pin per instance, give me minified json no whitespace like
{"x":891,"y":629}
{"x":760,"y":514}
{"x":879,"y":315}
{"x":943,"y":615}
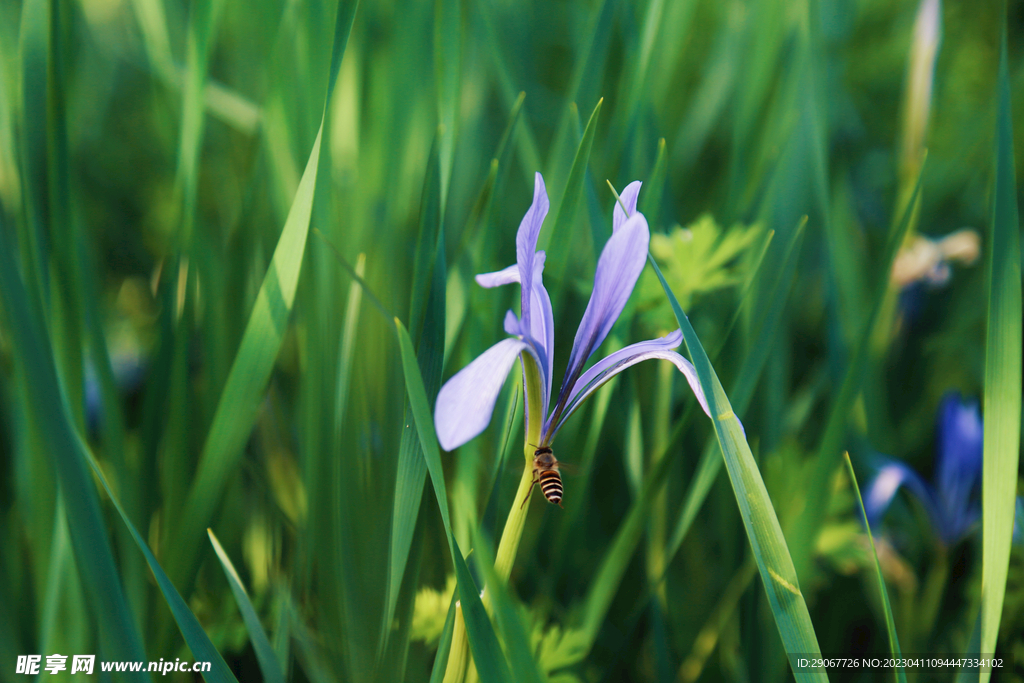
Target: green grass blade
{"x":444,"y":644}
{"x":448,"y":43}
{"x":753,"y":364}
{"x":705,"y":642}
{"x":480,"y":213}
{"x":270,"y":667}
{"x":1002,"y":400}
{"x":805,"y":528}
{"x":487,"y":654}
{"x":513,"y":421}
{"x":483,"y":641}
{"x":890,"y":625}
{"x":427,"y":316}
{"x":250,"y":371}
{"x":195,"y":637}
{"x":759,"y":519}
{"x":515,"y":634}
{"x":119,"y":634}
{"x":203,"y":17}
{"x":654,"y":189}
{"x":35,"y":54}
{"x":558,"y":234}
{"x":264,"y":334}
{"x":616,"y":560}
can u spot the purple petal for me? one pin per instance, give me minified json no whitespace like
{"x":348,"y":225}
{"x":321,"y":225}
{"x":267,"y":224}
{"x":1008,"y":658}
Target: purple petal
{"x":466,"y":401}
{"x":958,"y":463}
{"x":611,"y":365}
{"x":620,"y":265}
{"x":507,"y":276}
{"x":882,"y":489}
{"x":542,"y":329}
{"x":526,"y":245}
{"x":512,"y":325}
{"x":628,"y":198}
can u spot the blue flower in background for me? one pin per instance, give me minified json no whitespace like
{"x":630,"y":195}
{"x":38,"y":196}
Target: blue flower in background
{"x":949,"y":500}
{"x":466,"y":402}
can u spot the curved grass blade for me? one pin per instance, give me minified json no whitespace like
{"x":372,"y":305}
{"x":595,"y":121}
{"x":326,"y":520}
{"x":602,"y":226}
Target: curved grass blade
{"x":805,"y":527}
{"x":480,"y":212}
{"x":427,"y":321}
{"x":203,"y":18}
{"x":264,"y":333}
{"x":1002,"y":402}
{"x":559,"y":234}
{"x":705,"y":642}
{"x":759,"y":519}
{"x":270,"y":667}
{"x":443,"y":645}
{"x":447,"y":69}
{"x":191,"y":630}
{"x":483,"y":641}
{"x":490,"y":662}
{"x":513,"y":419}
{"x":515,"y":634}
{"x":119,"y":634}
{"x":753,"y":363}
{"x":250,"y":371}
{"x":616,"y":560}
{"x":890,"y":625}
{"x":650,"y":200}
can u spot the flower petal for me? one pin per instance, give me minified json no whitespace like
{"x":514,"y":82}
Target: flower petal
{"x":621,"y":262}
{"x":628,"y":198}
{"x":611,"y":365}
{"x":958,"y":464}
{"x":882,"y":489}
{"x":512,"y":325}
{"x":466,"y":401}
{"x":507,"y":276}
{"x":526,"y":244}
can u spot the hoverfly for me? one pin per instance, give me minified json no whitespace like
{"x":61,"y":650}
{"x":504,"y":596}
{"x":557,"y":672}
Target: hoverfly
{"x":545,"y":473}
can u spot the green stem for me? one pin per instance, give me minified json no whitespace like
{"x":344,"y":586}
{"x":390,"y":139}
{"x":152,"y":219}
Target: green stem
{"x":460,"y":664}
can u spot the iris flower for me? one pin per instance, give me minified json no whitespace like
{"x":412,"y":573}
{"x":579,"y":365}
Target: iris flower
{"x":949,"y":501}
{"x":466,"y":402}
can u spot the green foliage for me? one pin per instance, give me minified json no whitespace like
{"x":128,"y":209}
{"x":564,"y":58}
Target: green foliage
{"x":698,"y":259}
{"x":178,"y":352}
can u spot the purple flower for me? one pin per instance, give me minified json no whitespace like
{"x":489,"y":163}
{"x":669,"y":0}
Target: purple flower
{"x":466,"y":401}
{"x":949,"y":501}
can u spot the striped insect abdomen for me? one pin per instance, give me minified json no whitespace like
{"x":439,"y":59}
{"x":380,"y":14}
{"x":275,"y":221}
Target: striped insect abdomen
{"x":551,"y":485}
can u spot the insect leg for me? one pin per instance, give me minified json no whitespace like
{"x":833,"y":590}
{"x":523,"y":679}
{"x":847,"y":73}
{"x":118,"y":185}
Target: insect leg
{"x":532,"y":484}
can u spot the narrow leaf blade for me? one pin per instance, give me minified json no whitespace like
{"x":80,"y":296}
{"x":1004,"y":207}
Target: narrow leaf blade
{"x":1002,"y":400}
{"x":270,"y":667}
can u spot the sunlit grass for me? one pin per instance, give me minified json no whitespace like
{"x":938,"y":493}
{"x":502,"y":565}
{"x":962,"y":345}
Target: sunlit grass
{"x":237,"y":250}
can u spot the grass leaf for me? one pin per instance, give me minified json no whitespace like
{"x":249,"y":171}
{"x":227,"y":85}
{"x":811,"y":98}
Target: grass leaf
{"x":1002,"y":400}
{"x":270,"y":667}
{"x":490,"y":662}
{"x":250,"y":371}
{"x":759,"y":519}
{"x":559,"y":234}
{"x":119,"y":635}
{"x":890,"y":624}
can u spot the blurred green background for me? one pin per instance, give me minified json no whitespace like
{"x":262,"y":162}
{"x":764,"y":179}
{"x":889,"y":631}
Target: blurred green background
{"x":177,"y":298}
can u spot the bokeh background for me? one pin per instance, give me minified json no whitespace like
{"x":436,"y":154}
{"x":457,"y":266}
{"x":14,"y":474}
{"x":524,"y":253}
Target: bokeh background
{"x":180,"y":248}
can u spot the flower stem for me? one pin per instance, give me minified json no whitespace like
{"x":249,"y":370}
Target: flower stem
{"x":460,"y":664}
